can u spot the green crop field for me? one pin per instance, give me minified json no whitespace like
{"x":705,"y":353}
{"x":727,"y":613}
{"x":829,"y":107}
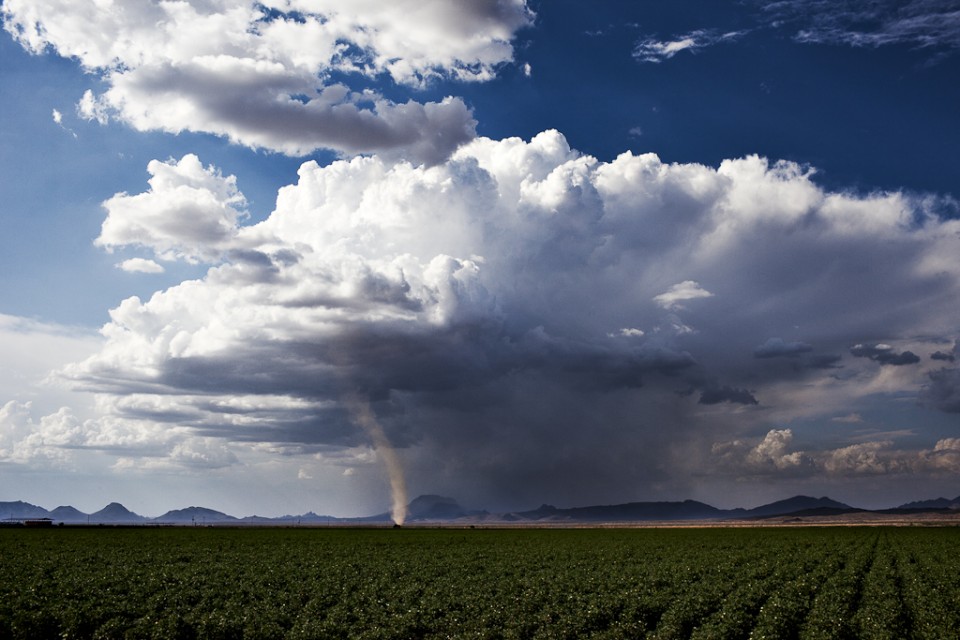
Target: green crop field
{"x":444,"y":583}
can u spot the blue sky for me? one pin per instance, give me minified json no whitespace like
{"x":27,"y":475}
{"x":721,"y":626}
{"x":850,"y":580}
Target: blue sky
{"x":563,"y":251}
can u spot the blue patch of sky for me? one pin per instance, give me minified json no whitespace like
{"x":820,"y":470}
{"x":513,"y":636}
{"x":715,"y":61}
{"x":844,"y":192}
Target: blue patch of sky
{"x":895,"y":417}
{"x":271,"y":14}
{"x":866,"y":118}
{"x":55,"y":178}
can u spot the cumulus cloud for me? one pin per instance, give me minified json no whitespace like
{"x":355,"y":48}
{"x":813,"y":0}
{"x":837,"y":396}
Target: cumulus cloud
{"x":140,"y":265}
{"x":259,"y":73}
{"x":862,"y":458}
{"x":772,"y":450}
{"x":23,"y":441}
{"x":58,"y":438}
{"x":190,"y":212}
{"x":771,"y":455}
{"x":944,"y":458}
{"x":775,"y":455}
{"x":484,"y":345}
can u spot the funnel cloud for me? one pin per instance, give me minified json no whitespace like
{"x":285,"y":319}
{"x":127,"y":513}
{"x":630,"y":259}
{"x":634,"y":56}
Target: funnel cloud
{"x":364,"y":416}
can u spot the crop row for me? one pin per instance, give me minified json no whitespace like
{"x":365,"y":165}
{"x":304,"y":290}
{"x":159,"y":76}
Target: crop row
{"x":417,"y":583}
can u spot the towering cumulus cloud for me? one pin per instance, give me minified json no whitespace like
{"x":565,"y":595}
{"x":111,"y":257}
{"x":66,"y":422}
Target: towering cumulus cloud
{"x":261,"y":73}
{"x":528,"y":321}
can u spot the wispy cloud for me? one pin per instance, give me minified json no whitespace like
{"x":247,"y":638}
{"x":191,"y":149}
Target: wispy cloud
{"x":850,"y":418}
{"x":651,"y":49}
{"x":871,"y":23}
{"x":58,"y":120}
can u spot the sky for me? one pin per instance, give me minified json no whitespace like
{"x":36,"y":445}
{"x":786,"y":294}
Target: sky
{"x":261,"y":256}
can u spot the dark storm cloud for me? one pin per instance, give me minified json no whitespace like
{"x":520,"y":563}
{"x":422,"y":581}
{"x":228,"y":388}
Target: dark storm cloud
{"x":716,"y":395}
{"x":825,"y":361}
{"x":303,"y":429}
{"x":943,"y":390}
{"x":884,"y":354}
{"x":377,"y":361}
{"x":778,"y":348}
{"x":947,"y":356}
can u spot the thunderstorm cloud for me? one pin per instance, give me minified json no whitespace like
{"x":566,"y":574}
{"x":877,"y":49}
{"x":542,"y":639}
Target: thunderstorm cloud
{"x":501,"y":332}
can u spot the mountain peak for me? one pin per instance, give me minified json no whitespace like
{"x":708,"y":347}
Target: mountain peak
{"x":796,"y":503}
{"x":194,"y":514}
{"x":936,"y":503}
{"x":434,"y":507}
{"x":66,"y":513}
{"x":20,"y":509}
{"x":115,"y":512}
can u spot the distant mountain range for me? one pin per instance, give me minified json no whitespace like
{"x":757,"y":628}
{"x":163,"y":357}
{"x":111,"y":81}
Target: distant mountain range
{"x":434,"y":508}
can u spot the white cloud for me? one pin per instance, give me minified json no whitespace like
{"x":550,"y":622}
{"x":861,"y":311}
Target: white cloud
{"x":140,"y":265}
{"x":257,"y":73}
{"x":653,"y":50}
{"x":773,"y":450}
{"x":944,"y":458}
{"x":58,"y":120}
{"x":60,"y":439}
{"x":534,"y":252}
{"x":774,"y":455}
{"x":22,"y":441}
{"x":681,"y":292}
{"x":863,"y":458}
{"x":190,"y":212}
